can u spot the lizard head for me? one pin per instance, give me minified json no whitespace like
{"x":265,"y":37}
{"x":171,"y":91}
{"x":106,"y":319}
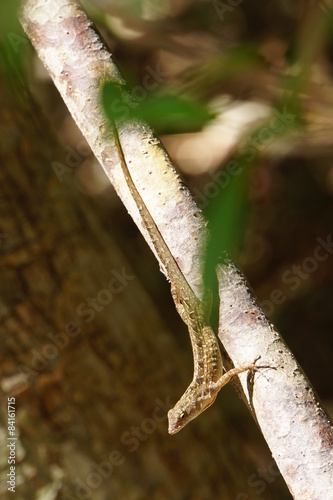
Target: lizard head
{"x":191,"y":404}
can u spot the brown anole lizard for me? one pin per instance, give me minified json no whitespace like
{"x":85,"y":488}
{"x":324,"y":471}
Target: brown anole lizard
{"x":208,"y":377}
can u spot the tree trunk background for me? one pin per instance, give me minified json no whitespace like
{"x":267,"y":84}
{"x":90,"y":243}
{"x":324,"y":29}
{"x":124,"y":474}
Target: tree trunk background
{"x":101,"y":397}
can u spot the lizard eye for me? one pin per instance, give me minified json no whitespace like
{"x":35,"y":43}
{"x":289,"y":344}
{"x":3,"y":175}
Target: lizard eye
{"x":182,"y":415}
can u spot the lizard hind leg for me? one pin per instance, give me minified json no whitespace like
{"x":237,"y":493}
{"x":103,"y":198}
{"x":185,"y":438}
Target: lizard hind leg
{"x":226,"y":377}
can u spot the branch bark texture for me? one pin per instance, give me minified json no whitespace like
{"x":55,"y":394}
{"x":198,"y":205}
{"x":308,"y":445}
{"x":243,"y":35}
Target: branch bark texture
{"x":79,"y":63}
{"x":281,"y":398}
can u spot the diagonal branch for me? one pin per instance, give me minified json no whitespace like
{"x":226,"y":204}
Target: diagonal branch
{"x":79,"y":63}
{"x":282,"y":400}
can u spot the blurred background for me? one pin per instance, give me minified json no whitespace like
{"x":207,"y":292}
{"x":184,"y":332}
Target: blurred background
{"x":241,"y":94}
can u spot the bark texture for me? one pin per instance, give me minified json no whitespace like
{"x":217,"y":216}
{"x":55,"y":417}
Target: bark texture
{"x":280,"y":397}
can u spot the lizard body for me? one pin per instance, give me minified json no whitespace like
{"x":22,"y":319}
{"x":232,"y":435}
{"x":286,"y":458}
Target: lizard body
{"x":208,"y":375}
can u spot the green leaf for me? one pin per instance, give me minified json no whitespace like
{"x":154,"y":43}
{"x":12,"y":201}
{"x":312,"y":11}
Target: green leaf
{"x":164,"y":113}
{"x":227,"y":215}
{"x":227,"y":212}
{"x":174,"y":114}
